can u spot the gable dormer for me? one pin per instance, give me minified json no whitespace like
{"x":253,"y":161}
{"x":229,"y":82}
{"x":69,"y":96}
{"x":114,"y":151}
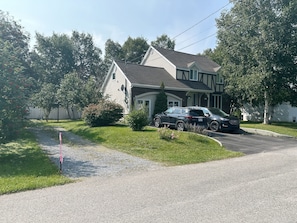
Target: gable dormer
{"x":193,"y":73}
{"x":155,"y":58}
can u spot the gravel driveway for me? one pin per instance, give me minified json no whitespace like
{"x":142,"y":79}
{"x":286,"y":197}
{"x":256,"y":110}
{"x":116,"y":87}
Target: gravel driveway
{"x":82,"y":158}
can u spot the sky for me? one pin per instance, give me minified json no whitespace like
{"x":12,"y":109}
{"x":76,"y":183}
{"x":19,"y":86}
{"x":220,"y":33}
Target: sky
{"x":190,"y":22}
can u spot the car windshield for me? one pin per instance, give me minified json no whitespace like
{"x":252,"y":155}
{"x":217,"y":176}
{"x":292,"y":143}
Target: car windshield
{"x":218,"y":112}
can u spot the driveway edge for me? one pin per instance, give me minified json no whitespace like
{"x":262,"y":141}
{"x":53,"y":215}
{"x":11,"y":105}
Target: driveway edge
{"x":264,"y":132}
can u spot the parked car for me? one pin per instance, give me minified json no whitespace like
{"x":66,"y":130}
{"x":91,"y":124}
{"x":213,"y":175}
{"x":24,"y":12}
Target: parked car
{"x":212,"y":118}
{"x":218,"y":120}
{"x":180,"y":118}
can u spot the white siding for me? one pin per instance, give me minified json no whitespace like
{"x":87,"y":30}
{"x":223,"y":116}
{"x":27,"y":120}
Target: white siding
{"x":155,"y":59}
{"x":115,"y":90}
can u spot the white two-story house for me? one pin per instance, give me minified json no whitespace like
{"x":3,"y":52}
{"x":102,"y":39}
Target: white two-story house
{"x":188,"y":79}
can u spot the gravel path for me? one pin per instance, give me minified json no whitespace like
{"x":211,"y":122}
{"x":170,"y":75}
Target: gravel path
{"x":82,"y":158}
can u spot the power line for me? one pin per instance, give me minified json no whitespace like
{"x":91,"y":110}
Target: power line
{"x":209,"y":36}
{"x":190,"y":29}
{"x":200,"y":21}
{"x":198,"y":41}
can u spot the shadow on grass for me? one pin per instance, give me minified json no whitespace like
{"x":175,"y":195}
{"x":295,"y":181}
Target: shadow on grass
{"x":19,"y":159}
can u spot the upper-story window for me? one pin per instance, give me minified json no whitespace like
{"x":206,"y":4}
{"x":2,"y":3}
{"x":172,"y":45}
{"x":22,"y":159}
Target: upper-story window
{"x":193,"y":75}
{"x":220,"y":79}
{"x":113,"y":76}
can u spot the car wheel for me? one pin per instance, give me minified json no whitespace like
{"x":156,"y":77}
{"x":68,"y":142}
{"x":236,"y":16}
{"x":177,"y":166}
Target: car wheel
{"x":157,"y":122}
{"x":214,"y":126}
{"x":180,"y":126}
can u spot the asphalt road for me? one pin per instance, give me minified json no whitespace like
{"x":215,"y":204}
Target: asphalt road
{"x":248,"y":143}
{"x":261,"y":187}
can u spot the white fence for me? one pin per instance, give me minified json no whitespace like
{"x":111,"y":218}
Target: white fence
{"x":281,"y":113}
{"x":56,"y":114}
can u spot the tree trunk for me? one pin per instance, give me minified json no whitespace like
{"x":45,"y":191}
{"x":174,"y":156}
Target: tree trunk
{"x":266,"y":109}
{"x":68,"y":113}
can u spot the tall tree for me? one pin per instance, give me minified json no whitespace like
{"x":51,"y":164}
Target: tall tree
{"x":69,"y":94}
{"x":134,"y":49}
{"x":53,"y":57}
{"x":164,"y":41}
{"x":113,"y":51}
{"x":258,"y":42}
{"x":56,"y":59}
{"x":14,"y":82}
{"x":87,"y":57}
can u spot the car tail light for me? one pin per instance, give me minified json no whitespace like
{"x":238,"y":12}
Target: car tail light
{"x":189,"y":117}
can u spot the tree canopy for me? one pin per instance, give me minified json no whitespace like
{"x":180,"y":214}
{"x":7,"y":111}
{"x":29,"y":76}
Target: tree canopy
{"x":164,"y":41}
{"x":135,"y":49}
{"x":257,"y":46}
{"x":14,"y":78}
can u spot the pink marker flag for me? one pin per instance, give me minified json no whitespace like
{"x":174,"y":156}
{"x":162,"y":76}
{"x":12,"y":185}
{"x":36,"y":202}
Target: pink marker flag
{"x":61,"y":156}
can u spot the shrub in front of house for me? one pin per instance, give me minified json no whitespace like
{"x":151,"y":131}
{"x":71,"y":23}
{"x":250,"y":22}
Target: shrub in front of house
{"x":166,"y":133}
{"x":102,"y":114}
{"x":197,"y":129}
{"x":138,"y":119}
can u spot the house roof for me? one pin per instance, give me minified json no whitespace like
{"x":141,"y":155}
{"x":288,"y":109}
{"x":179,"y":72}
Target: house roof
{"x":147,"y":76}
{"x":185,"y":60}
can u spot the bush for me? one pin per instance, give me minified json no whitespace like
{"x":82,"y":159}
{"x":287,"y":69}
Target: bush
{"x":102,"y":114}
{"x":198,"y":129}
{"x":138,"y":119}
{"x":10,"y":129}
{"x":167,"y":133}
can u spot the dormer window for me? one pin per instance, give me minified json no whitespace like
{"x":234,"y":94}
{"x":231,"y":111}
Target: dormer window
{"x":219,"y":79}
{"x":193,"y":75}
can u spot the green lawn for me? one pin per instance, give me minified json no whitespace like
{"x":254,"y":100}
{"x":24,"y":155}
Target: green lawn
{"x":186,"y":149}
{"x":24,"y":166}
{"x":278,"y":127}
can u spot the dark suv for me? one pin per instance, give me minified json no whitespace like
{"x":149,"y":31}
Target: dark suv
{"x":180,"y":118}
{"x":218,"y":120}
{"x":212,"y":118}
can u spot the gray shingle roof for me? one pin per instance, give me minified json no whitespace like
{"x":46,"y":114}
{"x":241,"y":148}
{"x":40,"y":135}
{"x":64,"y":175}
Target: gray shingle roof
{"x":154,"y":76}
{"x":184,"y":60}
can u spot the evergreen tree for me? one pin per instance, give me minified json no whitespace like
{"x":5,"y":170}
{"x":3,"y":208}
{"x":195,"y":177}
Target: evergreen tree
{"x":161,"y":100}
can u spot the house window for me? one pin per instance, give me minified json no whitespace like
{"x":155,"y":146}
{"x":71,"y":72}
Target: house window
{"x":144,"y":104}
{"x":113,"y":76}
{"x":173,"y":103}
{"x":193,"y":75}
{"x":217,"y":101}
{"x":219,"y":79}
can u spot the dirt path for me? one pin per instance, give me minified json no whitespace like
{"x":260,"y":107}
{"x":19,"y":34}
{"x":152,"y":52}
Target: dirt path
{"x":82,"y":158}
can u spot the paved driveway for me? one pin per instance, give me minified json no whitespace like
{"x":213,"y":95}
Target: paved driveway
{"x":249,"y":143}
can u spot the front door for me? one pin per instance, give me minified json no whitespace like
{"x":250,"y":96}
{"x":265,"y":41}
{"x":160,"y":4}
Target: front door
{"x":204,"y":100}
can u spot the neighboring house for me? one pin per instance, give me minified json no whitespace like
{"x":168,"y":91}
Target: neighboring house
{"x":188,"y":79}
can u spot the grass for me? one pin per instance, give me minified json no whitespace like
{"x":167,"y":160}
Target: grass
{"x":188,"y":148}
{"x":24,"y":166}
{"x":286,"y":128}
